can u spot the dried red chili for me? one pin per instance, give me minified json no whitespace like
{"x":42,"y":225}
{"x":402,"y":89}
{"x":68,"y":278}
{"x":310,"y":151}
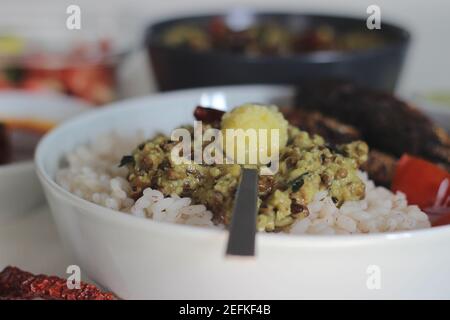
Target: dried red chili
{"x":208,"y":115}
{"x":19,"y":284}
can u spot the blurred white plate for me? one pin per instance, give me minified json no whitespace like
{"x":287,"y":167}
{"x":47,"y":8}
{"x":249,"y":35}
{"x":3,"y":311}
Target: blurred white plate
{"x":20,"y":190}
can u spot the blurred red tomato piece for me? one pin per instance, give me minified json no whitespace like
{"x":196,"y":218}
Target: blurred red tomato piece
{"x":91,"y":82}
{"x":426,"y":185}
{"x":85,"y":71}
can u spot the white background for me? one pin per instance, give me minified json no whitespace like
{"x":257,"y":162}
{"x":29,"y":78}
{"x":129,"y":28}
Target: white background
{"x":427,"y":67}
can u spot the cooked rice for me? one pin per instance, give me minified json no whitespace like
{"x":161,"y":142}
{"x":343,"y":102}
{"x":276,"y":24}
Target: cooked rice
{"x":380,"y":211}
{"x":92,"y":173}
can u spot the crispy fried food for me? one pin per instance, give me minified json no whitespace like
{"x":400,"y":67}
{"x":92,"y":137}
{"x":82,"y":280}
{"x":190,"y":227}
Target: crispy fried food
{"x":380,"y":167}
{"x":385,"y":122}
{"x":315,"y":122}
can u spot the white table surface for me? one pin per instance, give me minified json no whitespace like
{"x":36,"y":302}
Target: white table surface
{"x":30,"y":241}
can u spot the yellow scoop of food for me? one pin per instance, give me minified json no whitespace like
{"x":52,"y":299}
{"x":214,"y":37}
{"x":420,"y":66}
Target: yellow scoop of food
{"x":253,"y":134}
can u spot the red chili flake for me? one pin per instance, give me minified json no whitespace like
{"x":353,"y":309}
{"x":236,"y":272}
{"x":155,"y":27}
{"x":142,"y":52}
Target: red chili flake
{"x":18,"y":284}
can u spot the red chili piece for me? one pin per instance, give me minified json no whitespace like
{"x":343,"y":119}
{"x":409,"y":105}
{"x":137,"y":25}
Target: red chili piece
{"x":18,"y":284}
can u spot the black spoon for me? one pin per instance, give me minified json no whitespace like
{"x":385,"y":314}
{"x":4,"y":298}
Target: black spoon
{"x":241,"y":239}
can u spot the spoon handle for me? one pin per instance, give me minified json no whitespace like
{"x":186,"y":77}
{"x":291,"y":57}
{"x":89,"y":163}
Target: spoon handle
{"x":241,"y":239}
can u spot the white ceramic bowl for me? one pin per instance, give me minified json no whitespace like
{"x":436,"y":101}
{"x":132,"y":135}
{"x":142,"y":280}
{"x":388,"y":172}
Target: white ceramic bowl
{"x":19,"y":187}
{"x":140,"y":258}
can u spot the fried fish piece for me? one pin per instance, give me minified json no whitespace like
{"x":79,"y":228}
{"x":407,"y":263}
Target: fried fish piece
{"x":385,"y":122}
{"x":380,"y":167}
{"x":316,"y":123}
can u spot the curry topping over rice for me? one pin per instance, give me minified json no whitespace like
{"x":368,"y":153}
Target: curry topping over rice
{"x":307,"y":165}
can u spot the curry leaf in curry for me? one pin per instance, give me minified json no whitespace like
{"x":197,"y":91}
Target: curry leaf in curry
{"x":126,"y":160}
{"x":334,"y":148}
{"x":298,"y":182}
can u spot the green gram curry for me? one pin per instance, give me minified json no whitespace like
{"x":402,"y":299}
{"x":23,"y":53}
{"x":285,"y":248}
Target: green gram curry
{"x":307,"y":165}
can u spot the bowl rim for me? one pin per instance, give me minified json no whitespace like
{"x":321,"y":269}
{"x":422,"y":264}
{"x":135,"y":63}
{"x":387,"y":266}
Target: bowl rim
{"x":402,"y":35}
{"x":181,"y":230}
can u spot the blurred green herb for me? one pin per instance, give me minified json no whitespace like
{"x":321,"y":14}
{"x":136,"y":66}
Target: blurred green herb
{"x":334,"y":148}
{"x":298,"y":182}
{"x":126,"y":160}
